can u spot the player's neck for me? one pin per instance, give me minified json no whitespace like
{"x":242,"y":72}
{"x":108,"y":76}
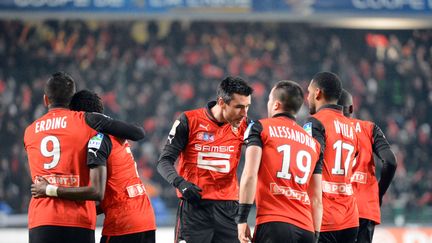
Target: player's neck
{"x":56,"y":107}
{"x":325,"y":102}
{"x":282,"y":112}
{"x":216,"y":112}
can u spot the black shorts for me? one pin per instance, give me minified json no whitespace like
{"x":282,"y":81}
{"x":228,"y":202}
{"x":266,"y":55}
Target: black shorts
{"x":280,"y":232}
{"x":210,"y":221}
{"x":56,"y":234}
{"x":141,"y":237}
{"x":366,"y":231}
{"x":346,"y":236}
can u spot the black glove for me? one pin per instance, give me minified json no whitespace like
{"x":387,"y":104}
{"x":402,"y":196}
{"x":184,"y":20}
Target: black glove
{"x":190,"y":192}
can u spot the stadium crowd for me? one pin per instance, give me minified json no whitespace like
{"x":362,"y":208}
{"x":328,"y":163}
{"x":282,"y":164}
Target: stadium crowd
{"x":148,"y":72}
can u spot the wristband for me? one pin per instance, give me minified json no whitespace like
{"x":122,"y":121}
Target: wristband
{"x":51,"y":190}
{"x":243,"y":213}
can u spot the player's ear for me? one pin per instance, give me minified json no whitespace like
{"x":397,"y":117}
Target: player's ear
{"x":220,"y":102}
{"x":318,"y":94}
{"x":277,"y":105}
{"x":45,"y":100}
{"x":351,"y":109}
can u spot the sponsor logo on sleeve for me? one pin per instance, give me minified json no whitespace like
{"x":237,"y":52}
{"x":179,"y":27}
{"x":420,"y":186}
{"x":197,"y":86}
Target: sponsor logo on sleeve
{"x":308,"y":128}
{"x":96,"y":141}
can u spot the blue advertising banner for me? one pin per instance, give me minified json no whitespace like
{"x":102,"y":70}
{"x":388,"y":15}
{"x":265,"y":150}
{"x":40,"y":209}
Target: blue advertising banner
{"x":148,"y":6}
{"x":358,"y":6}
{"x":228,"y":6}
{"x":167,"y":5}
{"x":74,"y":5}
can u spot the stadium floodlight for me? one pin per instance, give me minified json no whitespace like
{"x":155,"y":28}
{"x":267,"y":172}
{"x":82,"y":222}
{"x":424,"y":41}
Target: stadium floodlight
{"x":379,"y":23}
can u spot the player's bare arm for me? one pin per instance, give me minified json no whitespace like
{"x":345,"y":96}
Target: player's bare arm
{"x":99,"y":148}
{"x":95,"y":192}
{"x":315,"y":194}
{"x":247,"y":190}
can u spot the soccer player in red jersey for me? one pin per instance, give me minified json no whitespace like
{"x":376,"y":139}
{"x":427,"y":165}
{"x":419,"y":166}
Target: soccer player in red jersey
{"x":369,"y":192}
{"x":56,"y":148}
{"x":129,"y":216}
{"x":283,"y":167}
{"x":208,"y":143}
{"x":339,"y":144}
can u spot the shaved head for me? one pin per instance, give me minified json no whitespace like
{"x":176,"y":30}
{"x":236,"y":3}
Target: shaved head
{"x":346,"y":101}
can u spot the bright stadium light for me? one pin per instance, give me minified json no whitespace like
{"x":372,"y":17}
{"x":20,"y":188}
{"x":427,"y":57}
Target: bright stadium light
{"x":379,"y":23}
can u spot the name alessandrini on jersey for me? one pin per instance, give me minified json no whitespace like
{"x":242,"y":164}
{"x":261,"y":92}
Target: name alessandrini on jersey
{"x":287,"y":132}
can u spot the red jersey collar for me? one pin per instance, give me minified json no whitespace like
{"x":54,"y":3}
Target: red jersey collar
{"x":58,"y":108}
{"x":285,"y":114}
{"x":334,"y":107}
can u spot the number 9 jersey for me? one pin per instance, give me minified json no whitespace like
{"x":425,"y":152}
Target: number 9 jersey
{"x":56,"y":146}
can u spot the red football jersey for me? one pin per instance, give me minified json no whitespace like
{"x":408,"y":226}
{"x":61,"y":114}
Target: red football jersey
{"x":340,"y":206}
{"x":126,"y":205}
{"x":56,"y":146}
{"x":289,"y":157}
{"x":211,"y":157}
{"x":364,"y":181}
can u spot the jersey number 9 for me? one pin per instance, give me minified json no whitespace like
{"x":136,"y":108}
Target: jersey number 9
{"x":54,"y":152}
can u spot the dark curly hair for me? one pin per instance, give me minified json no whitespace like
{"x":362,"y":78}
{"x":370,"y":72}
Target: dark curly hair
{"x":330,"y":84}
{"x":86,"y":100}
